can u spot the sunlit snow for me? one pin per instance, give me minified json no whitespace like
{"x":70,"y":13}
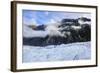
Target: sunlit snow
{"x":63,"y":52}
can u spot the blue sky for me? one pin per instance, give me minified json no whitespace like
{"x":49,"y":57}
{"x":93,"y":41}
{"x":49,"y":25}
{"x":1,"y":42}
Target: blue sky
{"x":31,"y":17}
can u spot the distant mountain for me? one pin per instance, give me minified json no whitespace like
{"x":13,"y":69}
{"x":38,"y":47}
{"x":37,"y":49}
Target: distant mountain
{"x":40,"y":27}
{"x":84,"y":19}
{"x":69,"y":31}
{"x":69,"y":22}
{"x":32,"y":26}
{"x":75,"y":22}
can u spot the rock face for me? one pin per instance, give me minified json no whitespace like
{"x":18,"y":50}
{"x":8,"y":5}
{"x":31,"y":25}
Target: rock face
{"x":71,"y":30}
{"x":85,"y":32}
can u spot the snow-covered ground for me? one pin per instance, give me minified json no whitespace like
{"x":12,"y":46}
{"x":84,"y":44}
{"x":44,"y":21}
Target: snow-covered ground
{"x":74,"y":51}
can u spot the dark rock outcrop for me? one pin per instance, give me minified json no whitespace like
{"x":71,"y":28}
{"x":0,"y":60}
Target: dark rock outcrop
{"x":40,"y":27}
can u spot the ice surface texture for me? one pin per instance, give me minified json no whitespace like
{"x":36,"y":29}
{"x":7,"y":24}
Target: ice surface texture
{"x":63,"y":52}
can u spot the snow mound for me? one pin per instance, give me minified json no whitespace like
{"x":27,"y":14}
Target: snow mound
{"x":63,"y":52}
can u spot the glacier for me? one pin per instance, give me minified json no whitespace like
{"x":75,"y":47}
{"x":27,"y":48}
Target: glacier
{"x":63,"y":52}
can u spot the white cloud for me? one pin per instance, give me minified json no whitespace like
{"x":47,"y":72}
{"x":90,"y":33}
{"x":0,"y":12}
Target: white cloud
{"x":28,"y":32}
{"x":53,"y":30}
{"x":52,"y":21}
{"x":30,"y":22}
